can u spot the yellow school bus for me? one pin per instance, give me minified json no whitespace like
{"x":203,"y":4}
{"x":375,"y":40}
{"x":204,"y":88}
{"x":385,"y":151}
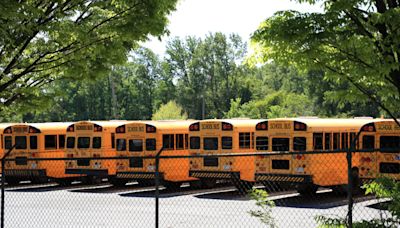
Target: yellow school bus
{"x":2,"y":150}
{"x":87,"y":140}
{"x":36,"y":140}
{"x":208,"y":137}
{"x":308,"y":171}
{"x":139,"y":139}
{"x":382,"y":137}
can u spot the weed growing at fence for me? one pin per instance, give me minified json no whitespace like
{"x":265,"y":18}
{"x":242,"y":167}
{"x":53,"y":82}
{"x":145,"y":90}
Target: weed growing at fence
{"x":264,"y":213}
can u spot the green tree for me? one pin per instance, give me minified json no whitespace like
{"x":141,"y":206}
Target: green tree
{"x":207,"y":72}
{"x":43,"y":41}
{"x":356,"y":40}
{"x":170,"y":111}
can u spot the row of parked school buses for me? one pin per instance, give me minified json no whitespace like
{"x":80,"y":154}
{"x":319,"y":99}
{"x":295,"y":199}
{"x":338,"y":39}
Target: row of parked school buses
{"x":302,"y":152}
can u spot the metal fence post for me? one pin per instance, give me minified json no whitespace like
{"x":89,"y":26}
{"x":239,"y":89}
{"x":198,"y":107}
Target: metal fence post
{"x":349,"y":189}
{"x":350,"y":181}
{"x":157,"y":180}
{"x":3,"y":183}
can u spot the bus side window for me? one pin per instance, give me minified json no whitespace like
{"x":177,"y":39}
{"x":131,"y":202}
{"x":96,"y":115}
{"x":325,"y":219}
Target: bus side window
{"x":186,"y":141}
{"x":61,"y":141}
{"x":345,"y":143}
{"x":50,"y":142}
{"x":328,"y":137}
{"x":210,"y":143}
{"x":83,"y":142}
{"x":352,"y":137}
{"x":96,"y":142}
{"x":121,"y":145}
{"x":244,"y":140}
{"x":195,"y":142}
{"x":168,"y":142}
{"x":336,"y":141}
{"x":136,"y":145}
{"x":226,"y":142}
{"x":318,"y":141}
{"x":113,"y":140}
{"x":71,"y":142}
{"x":150,"y":144}
{"x":280,"y":144}
{"x":299,"y":143}
{"x":33,"y":142}
{"x":7,"y":142}
{"x":389,"y":143}
{"x":20,"y":142}
{"x":262,"y":143}
{"x":368,"y":142}
{"x":179,"y":142}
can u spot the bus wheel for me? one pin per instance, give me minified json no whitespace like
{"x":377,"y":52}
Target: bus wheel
{"x":39,"y":180}
{"x":172,"y":185}
{"x":146,"y":183}
{"x":272,"y":186}
{"x":208,"y":183}
{"x":307,"y":189}
{"x":64,"y":183}
{"x":118,"y":182}
{"x":11,"y":181}
{"x":356,"y":188}
{"x":92,"y":180}
{"x":243,"y":186}
{"x":195,"y":184}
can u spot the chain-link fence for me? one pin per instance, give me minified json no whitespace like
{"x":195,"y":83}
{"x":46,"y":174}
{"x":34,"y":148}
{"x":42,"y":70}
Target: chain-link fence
{"x":193,"y":191}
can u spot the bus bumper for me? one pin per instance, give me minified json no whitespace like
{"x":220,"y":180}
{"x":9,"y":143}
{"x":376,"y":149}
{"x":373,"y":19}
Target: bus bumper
{"x":89,"y":172}
{"x":214,"y":174}
{"x":285,"y":178}
{"x":25,"y":173}
{"x":139,"y":175}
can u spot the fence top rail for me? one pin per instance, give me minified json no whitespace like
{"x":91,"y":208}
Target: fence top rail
{"x":248,"y":154}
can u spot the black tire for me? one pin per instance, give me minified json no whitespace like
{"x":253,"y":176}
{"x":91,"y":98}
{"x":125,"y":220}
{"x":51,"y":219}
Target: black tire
{"x":39,"y":180}
{"x":356,"y":187}
{"x":12,"y":181}
{"x":208,"y":183}
{"x":92,"y":180}
{"x":244,"y":187}
{"x":146,"y":183}
{"x":307,"y":189}
{"x":172,"y":185}
{"x":118,"y":182}
{"x":64,"y":182}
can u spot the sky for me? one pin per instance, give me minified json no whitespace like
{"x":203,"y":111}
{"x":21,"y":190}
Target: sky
{"x":201,"y":17}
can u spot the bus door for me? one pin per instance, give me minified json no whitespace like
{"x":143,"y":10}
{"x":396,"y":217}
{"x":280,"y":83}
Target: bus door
{"x":262,"y":145}
{"x":280,"y":137}
{"x":135,"y":147}
{"x":135,"y":141}
{"x":211,"y":135}
{"x":26,"y":140}
{"x":84,"y":141}
{"x":194,"y":147}
{"x":367,"y":163}
{"x":388,"y":140}
{"x":300,"y":162}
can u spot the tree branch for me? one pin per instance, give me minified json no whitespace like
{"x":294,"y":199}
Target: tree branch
{"x":369,"y":94}
{"x":112,"y":18}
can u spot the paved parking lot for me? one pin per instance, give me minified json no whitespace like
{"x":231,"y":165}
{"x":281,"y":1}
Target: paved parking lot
{"x":133,"y":206}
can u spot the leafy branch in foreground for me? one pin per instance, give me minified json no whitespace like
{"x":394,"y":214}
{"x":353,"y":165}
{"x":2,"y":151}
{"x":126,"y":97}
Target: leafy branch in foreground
{"x":387,"y":191}
{"x":264,"y":213}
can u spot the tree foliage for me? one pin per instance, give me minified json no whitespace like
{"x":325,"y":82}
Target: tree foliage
{"x":169,"y":111}
{"x":356,"y":41}
{"x":43,"y":41}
